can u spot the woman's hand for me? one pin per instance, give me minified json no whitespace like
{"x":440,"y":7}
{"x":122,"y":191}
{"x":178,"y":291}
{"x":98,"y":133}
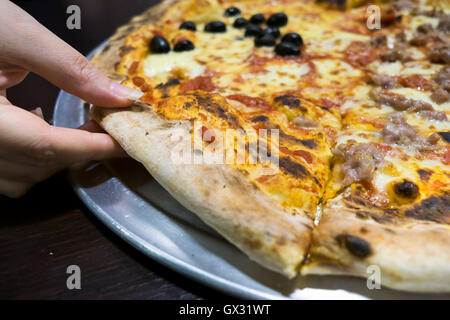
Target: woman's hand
{"x":31,"y":149}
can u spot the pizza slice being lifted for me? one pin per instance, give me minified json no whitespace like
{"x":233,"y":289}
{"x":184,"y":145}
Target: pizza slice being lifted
{"x":312,"y":143}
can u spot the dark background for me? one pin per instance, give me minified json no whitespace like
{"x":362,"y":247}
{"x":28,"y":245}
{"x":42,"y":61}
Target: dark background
{"x":48,"y":229}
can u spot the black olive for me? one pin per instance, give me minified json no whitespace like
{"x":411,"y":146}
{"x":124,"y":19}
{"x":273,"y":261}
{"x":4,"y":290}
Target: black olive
{"x":257,"y":18}
{"x":232,"y":11}
{"x":215,"y":26}
{"x":265,"y":40}
{"x":188,"y":25}
{"x":240,"y":23}
{"x":293,"y":37}
{"x":445,"y":136}
{"x":183,"y":45}
{"x":159,"y":45}
{"x":274,"y":32}
{"x":406,"y":189}
{"x":277,"y":20}
{"x":253,"y":31}
{"x":287,"y":49}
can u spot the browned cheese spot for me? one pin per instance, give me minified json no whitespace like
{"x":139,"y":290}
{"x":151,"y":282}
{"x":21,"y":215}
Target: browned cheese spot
{"x":290,"y":101}
{"x":425,"y":174}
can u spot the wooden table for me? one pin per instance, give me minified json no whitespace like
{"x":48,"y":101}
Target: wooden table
{"x":47,"y":230}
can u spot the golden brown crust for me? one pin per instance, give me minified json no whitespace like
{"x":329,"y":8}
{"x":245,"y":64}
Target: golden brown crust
{"x":222,"y":196}
{"x":412,"y":255}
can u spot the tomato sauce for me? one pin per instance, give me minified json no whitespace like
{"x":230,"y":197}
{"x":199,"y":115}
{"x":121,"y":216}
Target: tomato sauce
{"x":198,"y":83}
{"x":300,"y":153}
{"x":252,"y":102}
{"x":415,"y":81}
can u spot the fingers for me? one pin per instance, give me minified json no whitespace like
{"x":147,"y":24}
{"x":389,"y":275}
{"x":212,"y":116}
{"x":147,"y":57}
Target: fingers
{"x":91,"y":126}
{"x":10,"y":75}
{"x":28,"y":173}
{"x":13,"y":189}
{"x":73,"y":145}
{"x":55,"y":149}
{"x":42,"y":52}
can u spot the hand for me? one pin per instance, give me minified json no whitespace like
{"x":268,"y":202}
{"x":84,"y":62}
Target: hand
{"x":31,"y":149}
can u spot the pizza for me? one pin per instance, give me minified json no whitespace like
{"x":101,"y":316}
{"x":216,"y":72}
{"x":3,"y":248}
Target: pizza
{"x":312,"y":141}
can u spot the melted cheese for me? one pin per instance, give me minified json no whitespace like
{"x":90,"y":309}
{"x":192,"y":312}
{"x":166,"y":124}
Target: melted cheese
{"x":335,"y":72}
{"x":323,"y":73}
{"x":422,"y":96}
{"x":160,"y":66}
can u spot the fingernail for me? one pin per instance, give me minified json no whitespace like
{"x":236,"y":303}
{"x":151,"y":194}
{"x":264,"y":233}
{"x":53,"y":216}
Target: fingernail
{"x":125,"y":92}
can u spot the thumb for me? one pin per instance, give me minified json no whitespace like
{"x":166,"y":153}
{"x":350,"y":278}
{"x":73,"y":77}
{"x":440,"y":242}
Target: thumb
{"x":42,"y":52}
{"x":74,"y":145}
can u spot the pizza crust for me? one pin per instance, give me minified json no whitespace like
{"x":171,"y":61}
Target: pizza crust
{"x":412,"y":255}
{"x":219,"y":195}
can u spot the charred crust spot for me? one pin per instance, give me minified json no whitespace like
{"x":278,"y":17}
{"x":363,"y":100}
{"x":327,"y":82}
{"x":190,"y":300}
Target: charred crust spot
{"x":435,"y":209}
{"x":445,"y":136}
{"x":309,"y":143}
{"x":389,"y":230}
{"x":406,"y":189}
{"x":120,"y":37}
{"x":391,"y":211}
{"x":166,"y":125}
{"x":363,"y":230}
{"x":164,"y":87}
{"x":253,"y":243}
{"x":293,"y":168}
{"x":260,"y":119}
{"x":381,"y":219}
{"x":356,"y":246}
{"x":307,"y":226}
{"x":317,"y":182}
{"x":425,"y":174}
{"x":362,"y":215}
{"x":208,"y":104}
{"x":358,"y":202}
{"x":123,"y":50}
{"x":187,"y":105}
{"x":106,"y":48}
{"x":364,"y":210}
{"x":290,"y":101}
{"x":385,"y":216}
{"x":171,"y":82}
{"x":130,"y":28}
{"x":325,"y":108}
